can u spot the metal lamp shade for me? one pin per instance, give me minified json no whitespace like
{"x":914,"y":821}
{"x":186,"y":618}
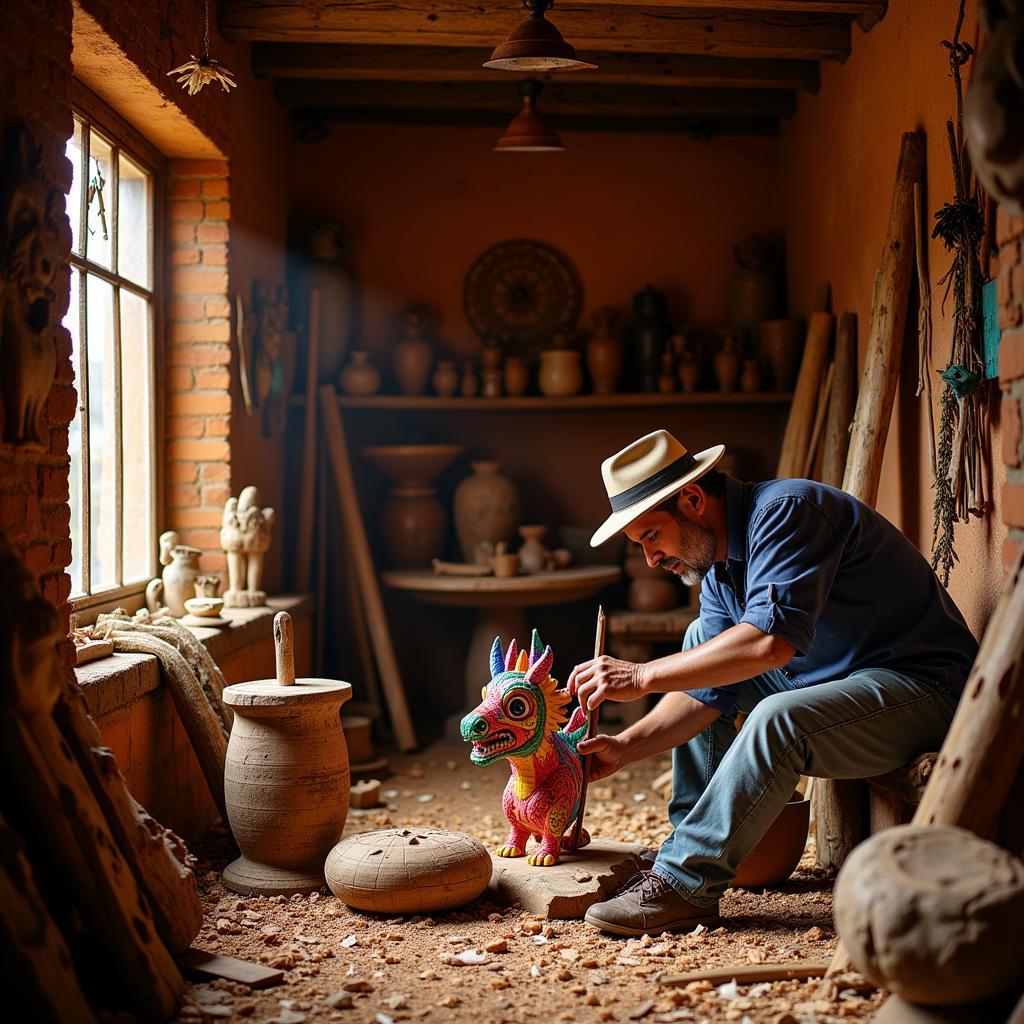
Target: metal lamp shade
{"x":536,"y":45}
{"x":528,"y":132}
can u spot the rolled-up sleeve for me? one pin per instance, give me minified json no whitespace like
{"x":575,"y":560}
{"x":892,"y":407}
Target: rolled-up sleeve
{"x":793,"y":558}
{"x":715,"y":618}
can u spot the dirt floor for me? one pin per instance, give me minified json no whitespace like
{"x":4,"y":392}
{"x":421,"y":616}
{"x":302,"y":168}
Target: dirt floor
{"x":349,"y":966}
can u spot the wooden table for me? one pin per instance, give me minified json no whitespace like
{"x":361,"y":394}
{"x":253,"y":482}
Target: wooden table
{"x":500,"y":604}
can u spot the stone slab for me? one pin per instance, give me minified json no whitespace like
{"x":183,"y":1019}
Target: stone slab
{"x":566,"y":890}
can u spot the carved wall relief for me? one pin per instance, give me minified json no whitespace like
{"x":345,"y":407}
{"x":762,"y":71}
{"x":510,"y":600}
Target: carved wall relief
{"x":35,"y":239}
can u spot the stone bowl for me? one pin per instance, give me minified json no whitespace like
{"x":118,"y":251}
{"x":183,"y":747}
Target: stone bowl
{"x":776,"y":856}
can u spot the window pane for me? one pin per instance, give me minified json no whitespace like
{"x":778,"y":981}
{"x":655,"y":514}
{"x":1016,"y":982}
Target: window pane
{"x":71,"y":322}
{"x":99,"y":244}
{"x":136,"y":420}
{"x":75,"y":195}
{"x":133,"y":226}
{"x":102,"y":435}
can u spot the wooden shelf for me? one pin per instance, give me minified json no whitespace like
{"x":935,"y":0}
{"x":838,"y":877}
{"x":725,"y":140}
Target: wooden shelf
{"x":427,"y":403}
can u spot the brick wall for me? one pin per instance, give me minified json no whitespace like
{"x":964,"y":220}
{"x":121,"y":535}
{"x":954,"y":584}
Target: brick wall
{"x":34,"y":512}
{"x":198,"y":355}
{"x":1010,"y":236}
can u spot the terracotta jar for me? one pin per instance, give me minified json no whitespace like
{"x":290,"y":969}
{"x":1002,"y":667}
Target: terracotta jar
{"x":781,"y":344}
{"x":486,"y":508}
{"x":652,"y":590}
{"x":606,"y":355}
{"x":491,"y":383}
{"x":689,"y":373}
{"x":667,"y":380}
{"x":470,"y":382}
{"x":445,"y":379}
{"x":490,"y":355}
{"x":727,"y":363}
{"x":332,"y":279}
{"x":533,"y":556}
{"x":413,"y":353}
{"x":360,"y":377}
{"x":561,"y":374}
{"x":750,"y":380}
{"x":517,"y":376}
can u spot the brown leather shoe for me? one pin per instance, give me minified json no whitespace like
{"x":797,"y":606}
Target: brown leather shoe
{"x":648,"y":904}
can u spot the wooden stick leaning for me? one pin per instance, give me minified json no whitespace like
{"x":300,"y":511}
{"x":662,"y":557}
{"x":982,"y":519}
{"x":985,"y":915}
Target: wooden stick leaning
{"x":840,"y":405}
{"x":362,"y":560}
{"x":824,"y":396}
{"x":592,"y":719}
{"x":307,"y":494}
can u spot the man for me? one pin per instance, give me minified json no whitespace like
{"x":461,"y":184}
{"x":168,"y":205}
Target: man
{"x":819,"y":621}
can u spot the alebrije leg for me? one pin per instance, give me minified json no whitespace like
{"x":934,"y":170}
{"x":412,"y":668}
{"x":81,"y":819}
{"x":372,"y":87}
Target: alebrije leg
{"x":515,"y":845}
{"x":551,"y":842}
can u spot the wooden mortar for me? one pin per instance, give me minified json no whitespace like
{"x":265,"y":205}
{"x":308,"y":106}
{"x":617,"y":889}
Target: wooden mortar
{"x":286,"y":776}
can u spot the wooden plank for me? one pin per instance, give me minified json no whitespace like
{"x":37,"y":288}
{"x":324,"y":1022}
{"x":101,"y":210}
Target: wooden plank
{"x":746,"y":974}
{"x":197,"y":963}
{"x":359,"y":550}
{"x":800,"y":424}
{"x":624,"y":27}
{"x":840,"y":406}
{"x":344,"y":62}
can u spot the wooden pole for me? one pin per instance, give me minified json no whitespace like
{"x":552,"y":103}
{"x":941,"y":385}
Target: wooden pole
{"x":362,"y":560}
{"x":888,"y":324}
{"x":819,"y":422}
{"x":592,"y":718}
{"x":307,"y":495}
{"x":799,"y":426}
{"x":284,"y":649}
{"x":840,"y":406}
{"x":984,"y":747}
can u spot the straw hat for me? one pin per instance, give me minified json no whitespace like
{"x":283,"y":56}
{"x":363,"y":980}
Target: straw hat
{"x":644,"y":474}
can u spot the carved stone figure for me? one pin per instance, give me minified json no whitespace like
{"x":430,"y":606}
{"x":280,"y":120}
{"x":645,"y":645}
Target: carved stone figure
{"x":245,"y":539}
{"x":521,"y":719}
{"x":35,"y":238}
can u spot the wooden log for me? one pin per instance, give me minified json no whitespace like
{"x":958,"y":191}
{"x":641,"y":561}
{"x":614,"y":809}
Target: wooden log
{"x":819,"y":423}
{"x":840,"y":406}
{"x":984,"y":747}
{"x":359,"y":550}
{"x":840,"y":816}
{"x":888,"y":324}
{"x":46,"y":989}
{"x":307,"y":492}
{"x":796,"y":440}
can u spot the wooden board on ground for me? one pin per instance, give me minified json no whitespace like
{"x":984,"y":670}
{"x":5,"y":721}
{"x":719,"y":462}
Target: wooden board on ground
{"x":200,"y":964}
{"x":569,"y":888}
{"x":745,"y":974}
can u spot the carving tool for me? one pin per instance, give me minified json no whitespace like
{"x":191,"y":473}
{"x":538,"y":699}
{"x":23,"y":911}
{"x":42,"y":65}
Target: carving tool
{"x":592,"y":718}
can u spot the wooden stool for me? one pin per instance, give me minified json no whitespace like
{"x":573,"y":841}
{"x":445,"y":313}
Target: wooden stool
{"x":894,"y":796}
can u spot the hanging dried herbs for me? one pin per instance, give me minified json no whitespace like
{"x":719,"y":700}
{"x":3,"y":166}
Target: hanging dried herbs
{"x":963,"y":427}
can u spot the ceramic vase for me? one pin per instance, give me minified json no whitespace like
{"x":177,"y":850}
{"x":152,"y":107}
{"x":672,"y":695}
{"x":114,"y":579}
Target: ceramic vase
{"x":359,"y":377}
{"x":689,"y":373}
{"x":667,"y":379}
{"x":470,"y":382}
{"x":486,"y":509}
{"x":754,"y":292}
{"x":750,"y":379}
{"x":647,"y":336}
{"x":490,"y":355}
{"x":491,"y":383}
{"x":445,"y":379}
{"x":781,"y":344}
{"x":561,"y":374}
{"x":727,"y":363}
{"x":606,"y":354}
{"x":331,"y":278}
{"x":517,"y":376}
{"x":177,"y":583}
{"x":533,"y":556}
{"x":651,"y":590}
{"x":286,"y":783}
{"x":413,"y":354}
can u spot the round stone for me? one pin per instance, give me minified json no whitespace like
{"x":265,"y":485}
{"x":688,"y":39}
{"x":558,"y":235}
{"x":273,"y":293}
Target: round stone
{"x":932,"y":913}
{"x":408,"y":870}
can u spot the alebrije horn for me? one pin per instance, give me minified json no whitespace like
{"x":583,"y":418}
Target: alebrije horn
{"x":510,"y":656}
{"x":497,"y":665}
{"x":540,"y":669}
{"x":536,"y":647}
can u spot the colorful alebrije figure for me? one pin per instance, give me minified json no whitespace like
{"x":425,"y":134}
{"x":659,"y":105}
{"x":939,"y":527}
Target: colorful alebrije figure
{"x":521,"y":719}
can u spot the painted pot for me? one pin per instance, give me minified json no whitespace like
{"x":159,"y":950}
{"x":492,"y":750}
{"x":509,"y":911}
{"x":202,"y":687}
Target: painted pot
{"x":359,"y":377}
{"x":486,"y":509}
{"x":779,"y":851}
{"x":286,"y":783}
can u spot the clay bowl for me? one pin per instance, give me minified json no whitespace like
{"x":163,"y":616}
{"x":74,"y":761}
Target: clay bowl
{"x":412,"y":465}
{"x":776,"y":856}
{"x":204,"y":607}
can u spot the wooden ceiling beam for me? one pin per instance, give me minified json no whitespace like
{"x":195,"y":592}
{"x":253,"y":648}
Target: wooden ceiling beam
{"x":558,"y":99}
{"x":714,"y":31}
{"x":342,"y":62}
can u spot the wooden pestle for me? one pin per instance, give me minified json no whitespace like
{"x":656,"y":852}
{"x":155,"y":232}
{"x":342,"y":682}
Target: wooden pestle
{"x":283,"y":649}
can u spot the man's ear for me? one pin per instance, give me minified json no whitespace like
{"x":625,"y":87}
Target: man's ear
{"x":693,"y":497}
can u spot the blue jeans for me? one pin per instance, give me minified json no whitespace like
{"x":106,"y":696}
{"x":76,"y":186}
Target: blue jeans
{"x":728,"y":786}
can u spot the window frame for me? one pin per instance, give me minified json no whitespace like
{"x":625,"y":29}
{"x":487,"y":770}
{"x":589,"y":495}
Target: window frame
{"x":95,"y":113}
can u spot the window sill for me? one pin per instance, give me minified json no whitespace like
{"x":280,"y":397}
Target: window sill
{"x":120,"y":680}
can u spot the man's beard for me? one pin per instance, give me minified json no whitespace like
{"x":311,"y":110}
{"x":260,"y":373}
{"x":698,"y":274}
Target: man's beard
{"x":699,"y":544}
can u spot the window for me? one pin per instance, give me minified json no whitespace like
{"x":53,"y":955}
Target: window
{"x":112,"y":323}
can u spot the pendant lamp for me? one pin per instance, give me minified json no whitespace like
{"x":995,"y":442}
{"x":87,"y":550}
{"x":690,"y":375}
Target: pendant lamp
{"x":536,"y":45}
{"x":528,"y":132}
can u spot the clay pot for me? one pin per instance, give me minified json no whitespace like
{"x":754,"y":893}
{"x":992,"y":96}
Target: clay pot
{"x":505,"y":564}
{"x":533,"y":556}
{"x":486,"y":509}
{"x":490,"y":356}
{"x":727,"y":363}
{"x":561,"y":374}
{"x":750,"y":379}
{"x":689,"y":373}
{"x":491,"y":383}
{"x":177,"y":583}
{"x":358,"y":738}
{"x":413,"y":520}
{"x":445,"y":379}
{"x":781,"y":344}
{"x":333,"y":280}
{"x":606,"y":355}
{"x":779,"y":851}
{"x":470,"y":383}
{"x":286,"y":783}
{"x":359,"y":377}
{"x":652,"y":590}
{"x":648,"y":334}
{"x":667,"y":380}
{"x":413,"y":354}
{"x":517,"y":376}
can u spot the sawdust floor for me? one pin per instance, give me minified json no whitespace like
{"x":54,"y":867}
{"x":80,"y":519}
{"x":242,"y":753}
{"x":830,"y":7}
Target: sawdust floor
{"x":348,"y":966}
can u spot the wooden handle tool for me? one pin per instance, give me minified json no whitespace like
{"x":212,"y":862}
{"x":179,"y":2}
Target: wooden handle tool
{"x":283,"y":649}
{"x":592,"y":718}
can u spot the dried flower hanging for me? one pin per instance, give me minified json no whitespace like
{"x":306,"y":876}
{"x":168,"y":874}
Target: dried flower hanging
{"x":200,"y":71}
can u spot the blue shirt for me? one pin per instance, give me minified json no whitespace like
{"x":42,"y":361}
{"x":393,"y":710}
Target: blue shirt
{"x":823,"y":571}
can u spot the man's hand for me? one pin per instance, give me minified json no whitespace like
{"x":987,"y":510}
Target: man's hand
{"x":607,"y":755}
{"x":606,"y":678}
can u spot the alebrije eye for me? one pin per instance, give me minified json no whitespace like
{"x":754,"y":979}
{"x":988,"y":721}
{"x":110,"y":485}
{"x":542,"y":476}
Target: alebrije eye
{"x":517,"y":707}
